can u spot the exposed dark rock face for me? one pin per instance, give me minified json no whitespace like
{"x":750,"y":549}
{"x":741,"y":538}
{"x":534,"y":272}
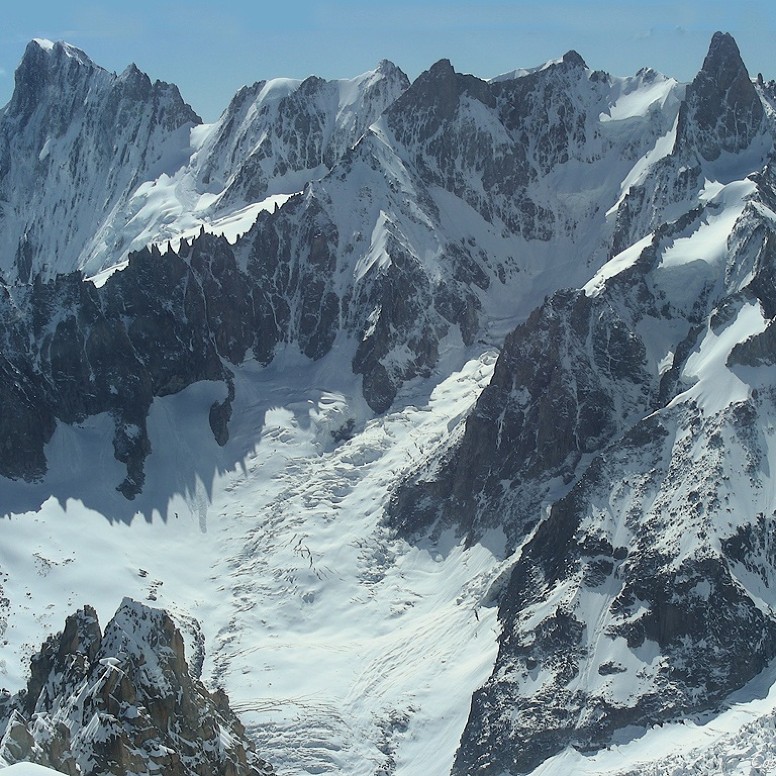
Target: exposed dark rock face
{"x":270,"y":132}
{"x":568,"y":381}
{"x":165,"y":322}
{"x":123,"y":701}
{"x":551,"y":401}
{"x":168,"y":320}
{"x":490,"y":145}
{"x":616,"y":480}
{"x":403,"y":297}
{"x":691,"y":610}
{"x":82,"y":351}
{"x":438,"y":118}
{"x":722,"y":111}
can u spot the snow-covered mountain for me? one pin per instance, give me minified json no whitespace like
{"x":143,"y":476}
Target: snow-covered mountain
{"x":475,"y":417}
{"x":95,"y":165}
{"x":75,"y":140}
{"x":439,"y":228}
{"x":623,"y":445}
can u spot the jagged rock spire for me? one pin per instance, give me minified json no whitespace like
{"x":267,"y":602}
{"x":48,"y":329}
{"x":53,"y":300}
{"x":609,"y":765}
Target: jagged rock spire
{"x":721,"y":111}
{"x":153,"y":715}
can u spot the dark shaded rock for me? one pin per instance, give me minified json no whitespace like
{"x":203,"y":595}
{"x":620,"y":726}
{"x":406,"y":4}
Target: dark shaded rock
{"x":550,"y":401}
{"x":489,"y":745}
{"x":66,"y":654}
{"x":578,"y":438}
{"x":395,"y":305}
{"x":757,"y":350}
{"x":219,"y":416}
{"x":26,"y":423}
{"x":693,"y":610}
{"x":669,"y":381}
{"x":722,"y":110}
{"x":573,"y":58}
{"x":434,"y":119}
{"x":259,"y":141}
{"x":379,"y":390}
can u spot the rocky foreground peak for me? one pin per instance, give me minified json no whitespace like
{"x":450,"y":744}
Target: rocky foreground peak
{"x":122,"y":701}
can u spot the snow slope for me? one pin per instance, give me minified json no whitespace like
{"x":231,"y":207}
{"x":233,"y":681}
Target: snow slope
{"x":28,"y":769}
{"x":737,"y":742}
{"x":342,"y":648}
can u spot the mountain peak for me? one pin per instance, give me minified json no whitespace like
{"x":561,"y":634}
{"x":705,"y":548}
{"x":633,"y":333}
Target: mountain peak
{"x":44,"y":63}
{"x":392,"y":72}
{"x":435,"y":87}
{"x":386,"y":66}
{"x":574,"y":58}
{"x":437,"y":93}
{"x":134,"y":681}
{"x":132,"y":71}
{"x":42,"y":43}
{"x":57,"y":49}
{"x":441,"y":69}
{"x":721,"y":110}
{"x":723,"y":58}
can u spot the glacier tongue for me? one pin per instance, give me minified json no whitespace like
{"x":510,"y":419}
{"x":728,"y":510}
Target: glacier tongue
{"x":342,"y":648}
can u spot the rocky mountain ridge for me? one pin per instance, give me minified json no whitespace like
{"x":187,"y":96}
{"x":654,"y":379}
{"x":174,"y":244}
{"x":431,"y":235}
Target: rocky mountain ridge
{"x":606,"y":439}
{"x":119,"y":162}
{"x":122,"y":701}
{"x":75,"y":140}
{"x":614,"y":237}
{"x":439,"y":196}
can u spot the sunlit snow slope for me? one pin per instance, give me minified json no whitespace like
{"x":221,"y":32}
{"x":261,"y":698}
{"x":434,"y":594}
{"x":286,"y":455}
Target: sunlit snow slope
{"x":343,"y":648}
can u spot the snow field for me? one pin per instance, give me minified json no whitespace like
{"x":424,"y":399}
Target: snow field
{"x":28,"y":769}
{"x":342,"y":647}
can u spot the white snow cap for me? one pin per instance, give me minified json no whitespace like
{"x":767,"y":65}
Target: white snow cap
{"x":28,"y":769}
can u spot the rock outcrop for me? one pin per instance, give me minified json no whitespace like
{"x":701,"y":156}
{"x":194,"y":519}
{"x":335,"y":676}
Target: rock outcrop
{"x":722,"y":112}
{"x":631,"y":484}
{"x":122,"y":701}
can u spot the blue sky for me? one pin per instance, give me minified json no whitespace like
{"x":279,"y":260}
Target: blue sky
{"x":211,"y":49}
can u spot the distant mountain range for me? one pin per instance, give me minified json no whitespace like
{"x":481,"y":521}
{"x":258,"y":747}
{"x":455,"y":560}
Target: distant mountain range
{"x":476,"y":370}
